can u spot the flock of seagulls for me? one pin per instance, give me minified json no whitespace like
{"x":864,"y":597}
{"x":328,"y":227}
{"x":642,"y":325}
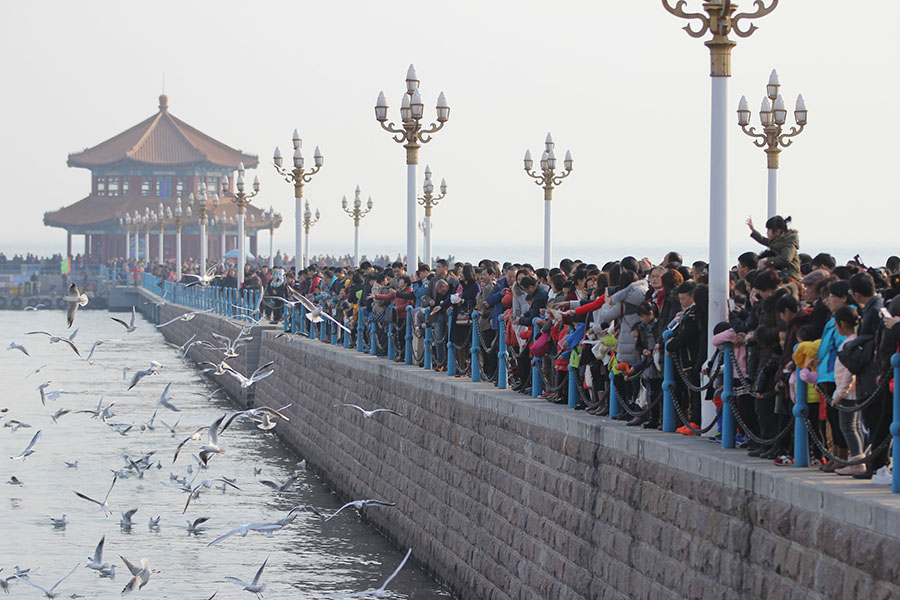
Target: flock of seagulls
{"x":262,"y":418}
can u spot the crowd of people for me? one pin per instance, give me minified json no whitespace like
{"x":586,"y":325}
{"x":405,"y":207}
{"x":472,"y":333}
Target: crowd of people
{"x":791,"y":315}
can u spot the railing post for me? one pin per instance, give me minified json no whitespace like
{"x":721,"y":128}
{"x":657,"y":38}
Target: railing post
{"x":407,"y":356}
{"x":451,"y":355}
{"x":502,"y":355}
{"x":475,"y":363}
{"x":668,"y":412}
{"x":303,"y":320}
{"x":801,"y":436}
{"x":613,"y":396}
{"x":373,"y":344}
{"x":895,"y":427}
{"x":537,"y":384}
{"x":728,"y":424}
{"x":573,"y":387}
{"x":427,"y":353}
{"x":334,"y":329}
{"x":287,"y":316}
{"x":390,"y":350}
{"x":323,"y":330}
{"x":360,"y":325}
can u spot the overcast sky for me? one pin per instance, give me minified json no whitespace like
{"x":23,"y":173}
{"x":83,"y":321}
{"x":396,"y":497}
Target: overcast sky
{"x":619,"y":84}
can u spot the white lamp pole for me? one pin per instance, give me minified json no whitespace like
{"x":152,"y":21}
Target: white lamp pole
{"x":127,"y":220}
{"x":548,"y":179}
{"x":308,"y":223}
{"x":721,"y":21}
{"x":773,"y":117}
{"x":429,"y":201}
{"x":242,"y":199}
{"x":299,"y":177}
{"x":412,"y":136}
{"x":356,"y":214}
{"x":178,"y":222}
{"x":161,"y":221}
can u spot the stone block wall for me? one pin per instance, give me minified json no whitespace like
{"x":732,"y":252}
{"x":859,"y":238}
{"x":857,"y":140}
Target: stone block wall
{"x":508,"y":498}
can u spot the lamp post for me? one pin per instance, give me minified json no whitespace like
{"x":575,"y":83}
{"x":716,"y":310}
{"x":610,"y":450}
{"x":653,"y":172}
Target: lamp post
{"x":429,"y":201}
{"x":201,"y":200}
{"x":308,"y":223}
{"x":272,"y":220}
{"x":126,"y":221}
{"x":548,"y":179}
{"x":357,"y":214}
{"x":178,"y":223}
{"x":773,"y":116}
{"x":720,"y":21}
{"x":223,"y":221}
{"x":412,"y":136}
{"x":299,"y":177}
{"x":148,"y":219}
{"x":161,"y":221}
{"x":242,"y":199}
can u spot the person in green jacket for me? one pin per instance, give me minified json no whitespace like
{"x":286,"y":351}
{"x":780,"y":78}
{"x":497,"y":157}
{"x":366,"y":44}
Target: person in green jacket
{"x":783,"y":244}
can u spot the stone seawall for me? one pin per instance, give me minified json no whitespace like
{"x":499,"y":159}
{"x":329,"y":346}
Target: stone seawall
{"x":504,"y":497}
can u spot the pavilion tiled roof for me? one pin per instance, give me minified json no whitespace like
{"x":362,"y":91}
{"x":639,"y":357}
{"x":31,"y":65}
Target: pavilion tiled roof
{"x":163,"y":139}
{"x":106,"y":211}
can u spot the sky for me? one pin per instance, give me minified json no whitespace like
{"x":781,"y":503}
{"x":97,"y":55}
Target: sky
{"x":618,"y":84}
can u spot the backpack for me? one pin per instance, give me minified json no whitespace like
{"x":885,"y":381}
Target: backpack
{"x":857,"y":353}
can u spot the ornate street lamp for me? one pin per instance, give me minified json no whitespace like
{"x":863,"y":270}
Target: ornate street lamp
{"x":272,"y":220}
{"x":773,"y":116}
{"x":356,"y":214}
{"x":242,"y":199}
{"x":299,"y":177}
{"x":721,"y":21}
{"x":148,"y":219}
{"x":548,"y":179}
{"x":308,"y":223}
{"x":161,"y":221}
{"x":178,"y":223}
{"x":202,"y":199}
{"x":429,"y":200}
{"x":126,"y":222}
{"x":412,"y":136}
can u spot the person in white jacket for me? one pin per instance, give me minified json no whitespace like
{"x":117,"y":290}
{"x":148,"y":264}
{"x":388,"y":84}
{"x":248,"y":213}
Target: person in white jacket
{"x":845,"y":319}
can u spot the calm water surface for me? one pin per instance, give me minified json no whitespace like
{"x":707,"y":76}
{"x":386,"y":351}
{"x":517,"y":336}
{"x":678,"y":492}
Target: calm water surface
{"x":307,"y":559}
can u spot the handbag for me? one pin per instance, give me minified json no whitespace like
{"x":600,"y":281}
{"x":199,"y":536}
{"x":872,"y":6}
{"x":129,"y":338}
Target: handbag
{"x":857,"y":353}
{"x":541,"y":346}
{"x":506,"y":299}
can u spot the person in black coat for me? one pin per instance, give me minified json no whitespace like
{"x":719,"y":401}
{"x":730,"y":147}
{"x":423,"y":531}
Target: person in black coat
{"x":685,"y":343}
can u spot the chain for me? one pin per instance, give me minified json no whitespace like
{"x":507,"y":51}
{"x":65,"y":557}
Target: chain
{"x":745,"y":383}
{"x":687,"y":423}
{"x":684,"y":376}
{"x":831,"y":457}
{"x":624,"y":405}
{"x":750,"y":434}
{"x":860,"y":405}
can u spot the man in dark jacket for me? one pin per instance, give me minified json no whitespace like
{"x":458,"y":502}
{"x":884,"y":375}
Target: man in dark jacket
{"x":684,"y":343}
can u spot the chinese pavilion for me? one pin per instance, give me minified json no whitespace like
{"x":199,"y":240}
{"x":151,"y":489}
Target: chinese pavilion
{"x":147,"y":166}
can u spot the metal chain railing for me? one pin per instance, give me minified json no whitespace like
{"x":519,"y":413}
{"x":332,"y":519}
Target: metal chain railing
{"x":682,"y":373}
{"x":624,"y":405}
{"x":687,"y":422}
{"x":747,"y":384}
{"x":832,"y":458}
{"x":740,"y":420}
{"x":885,"y":381}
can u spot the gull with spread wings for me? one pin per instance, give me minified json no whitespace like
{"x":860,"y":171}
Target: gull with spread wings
{"x":104,"y":506}
{"x":212,"y":441}
{"x":138,"y":375}
{"x":314,"y":312}
{"x":19,"y":347}
{"x":359,"y":505}
{"x":379,"y":591}
{"x":205,"y":279}
{"x":141,"y":574}
{"x":254,"y":586}
{"x":129,"y":327}
{"x":369,"y":413}
{"x":254,"y":414}
{"x":258,"y":375}
{"x":58,"y":338}
{"x":75,"y":299}
{"x":30,"y":449}
{"x":51,"y":593}
{"x":185,"y":317}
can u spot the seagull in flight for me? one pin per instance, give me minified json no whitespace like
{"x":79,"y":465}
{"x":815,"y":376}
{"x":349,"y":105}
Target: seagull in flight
{"x":19,"y":347}
{"x":129,"y":327}
{"x":51,"y":593}
{"x":59,"y":413}
{"x":171,"y":428}
{"x":381,"y":590}
{"x":141,"y":574}
{"x":90,"y":358}
{"x":280,"y":487}
{"x":164,"y":400}
{"x":35,"y":307}
{"x":206,"y":483}
{"x":203,"y":280}
{"x":30,"y":449}
{"x":315,"y":313}
{"x":369,"y":413}
{"x":104,"y":506}
{"x":185,"y":317}
{"x":256,"y":412}
{"x":75,"y":299}
{"x":15,"y":425}
{"x":231,"y":345}
{"x":41,"y":389}
{"x":257,"y":376}
{"x":359,"y":504}
{"x":212,"y":441}
{"x":195,"y":526}
{"x":254,"y":586}
{"x":138,"y":375}
{"x":96,"y":562}
{"x":15,"y":481}
{"x":36,"y":371}
{"x":102,"y":412}
{"x":58,"y":338}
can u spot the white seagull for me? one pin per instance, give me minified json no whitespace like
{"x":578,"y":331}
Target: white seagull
{"x":58,"y":338}
{"x":30,"y":449}
{"x":138,"y":375}
{"x":96,"y":562}
{"x":315,"y":313}
{"x":194,"y":526}
{"x":51,"y":593}
{"x":205,"y":279}
{"x":257,"y":376}
{"x":35,"y":307}
{"x":126,"y":521}
{"x":19,"y":347}
{"x":90,"y":358}
{"x":104,"y":506}
{"x":359,"y":504}
{"x":36,"y":371}
{"x":41,"y":389}
{"x":370,"y":413}
{"x":141,"y":574}
{"x":254,"y":586}
{"x":59,"y":523}
{"x":256,"y":412}
{"x":129,"y":327}
{"x":184,"y":317}
{"x":280,"y":487}
{"x":75,"y":299}
{"x":206,"y":483}
{"x":164,"y":401}
{"x":59,"y":413}
{"x":212,"y":441}
{"x":380,"y":591}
